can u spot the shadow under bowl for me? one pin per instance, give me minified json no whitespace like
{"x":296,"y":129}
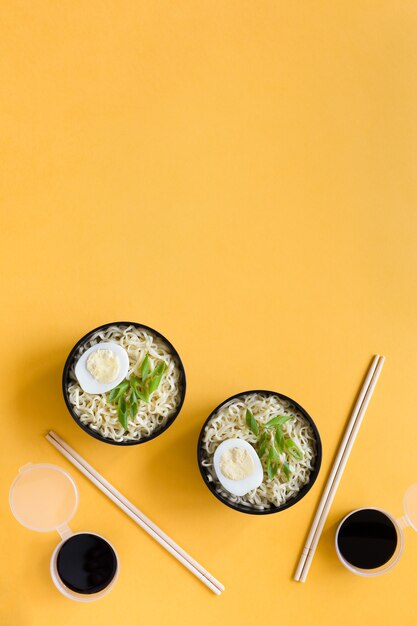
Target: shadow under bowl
{"x":76,"y":353}
{"x":272,"y":509}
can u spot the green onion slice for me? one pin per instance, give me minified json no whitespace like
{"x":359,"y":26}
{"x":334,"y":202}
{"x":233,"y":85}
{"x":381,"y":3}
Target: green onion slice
{"x":278,"y":420}
{"x":251,"y":422}
{"x":293,"y":449}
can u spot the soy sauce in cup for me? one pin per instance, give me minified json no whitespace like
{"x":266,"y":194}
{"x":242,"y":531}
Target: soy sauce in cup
{"x":367,"y":539}
{"x":86,"y":563}
{"x":370,"y":541}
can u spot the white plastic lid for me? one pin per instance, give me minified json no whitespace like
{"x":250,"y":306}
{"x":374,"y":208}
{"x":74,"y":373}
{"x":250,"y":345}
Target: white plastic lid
{"x":43,"y":497}
{"x":410,"y":506}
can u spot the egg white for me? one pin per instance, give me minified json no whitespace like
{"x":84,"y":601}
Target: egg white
{"x":243,"y":486}
{"x":87,"y":381}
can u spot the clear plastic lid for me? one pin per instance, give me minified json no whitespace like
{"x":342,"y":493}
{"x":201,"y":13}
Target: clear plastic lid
{"x":43,"y":497}
{"x":410,"y":506}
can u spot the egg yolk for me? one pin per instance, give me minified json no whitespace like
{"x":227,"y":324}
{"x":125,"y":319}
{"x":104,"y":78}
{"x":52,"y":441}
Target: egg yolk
{"x":103,"y":365}
{"x":236,"y":464}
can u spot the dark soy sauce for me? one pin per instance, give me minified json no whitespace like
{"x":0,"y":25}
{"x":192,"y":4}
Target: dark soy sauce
{"x":86,"y":563}
{"x":367,"y":539}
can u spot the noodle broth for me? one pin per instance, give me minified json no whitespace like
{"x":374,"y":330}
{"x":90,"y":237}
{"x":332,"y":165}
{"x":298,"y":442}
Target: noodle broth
{"x":95,"y":414}
{"x":228,"y":421}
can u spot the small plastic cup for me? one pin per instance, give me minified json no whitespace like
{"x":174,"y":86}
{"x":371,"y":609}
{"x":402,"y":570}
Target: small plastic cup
{"x":44,"y":497}
{"x":409,"y":519}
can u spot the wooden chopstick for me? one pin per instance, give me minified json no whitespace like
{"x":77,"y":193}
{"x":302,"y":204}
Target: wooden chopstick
{"x":336,"y":464}
{"x":134,"y":513}
{"x":338,"y":468}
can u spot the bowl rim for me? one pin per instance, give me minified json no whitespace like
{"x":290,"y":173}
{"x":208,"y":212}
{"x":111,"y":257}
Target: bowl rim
{"x":303,"y":491}
{"x":95,"y":434}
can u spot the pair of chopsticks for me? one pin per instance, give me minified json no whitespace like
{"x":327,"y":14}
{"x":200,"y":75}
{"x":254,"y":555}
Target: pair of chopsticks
{"x":338,"y":467}
{"x":134,"y":513}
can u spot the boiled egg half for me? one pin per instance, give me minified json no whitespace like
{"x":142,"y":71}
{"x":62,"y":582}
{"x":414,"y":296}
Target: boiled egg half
{"x":238,"y":466}
{"x":102,"y":367}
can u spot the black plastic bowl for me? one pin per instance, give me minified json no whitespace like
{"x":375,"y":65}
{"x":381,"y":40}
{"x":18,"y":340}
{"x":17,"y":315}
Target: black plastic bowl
{"x":74,"y":355}
{"x":273,"y":509}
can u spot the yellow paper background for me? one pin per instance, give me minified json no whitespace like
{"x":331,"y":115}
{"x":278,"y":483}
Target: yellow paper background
{"x":240,"y":176}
